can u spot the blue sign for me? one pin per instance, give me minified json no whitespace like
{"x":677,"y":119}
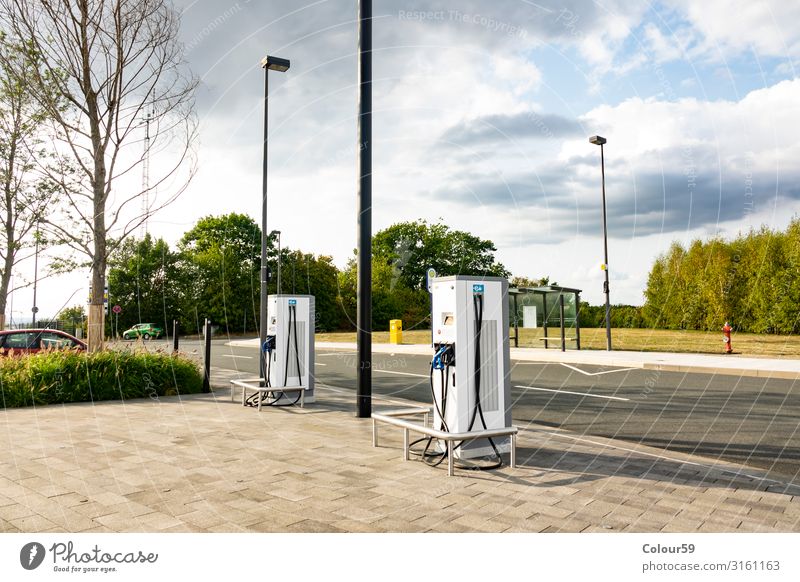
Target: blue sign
{"x":477,"y":289}
{"x":292,"y":301}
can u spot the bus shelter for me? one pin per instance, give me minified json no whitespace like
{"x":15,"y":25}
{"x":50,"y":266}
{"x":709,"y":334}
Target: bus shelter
{"x":547,"y":307}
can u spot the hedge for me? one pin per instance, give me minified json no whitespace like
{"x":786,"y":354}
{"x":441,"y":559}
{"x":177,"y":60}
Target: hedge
{"x":65,"y":376}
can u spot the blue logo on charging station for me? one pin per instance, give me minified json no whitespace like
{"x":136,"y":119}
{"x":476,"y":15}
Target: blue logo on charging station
{"x":292,"y":301}
{"x":476,"y":289}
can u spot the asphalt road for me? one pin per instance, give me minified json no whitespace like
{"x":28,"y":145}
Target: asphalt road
{"x":753,"y":421}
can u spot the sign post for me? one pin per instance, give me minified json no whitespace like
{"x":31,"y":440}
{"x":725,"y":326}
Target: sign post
{"x":117,"y":310}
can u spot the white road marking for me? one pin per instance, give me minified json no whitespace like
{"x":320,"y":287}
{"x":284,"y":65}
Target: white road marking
{"x":319,"y":364}
{"x":335,"y":354}
{"x":401,"y":373}
{"x":596,"y":373}
{"x":575,"y":393}
{"x":234,"y":356}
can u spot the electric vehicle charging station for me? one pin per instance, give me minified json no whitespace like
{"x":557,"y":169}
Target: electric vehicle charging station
{"x":470,"y":370}
{"x":289,"y":349}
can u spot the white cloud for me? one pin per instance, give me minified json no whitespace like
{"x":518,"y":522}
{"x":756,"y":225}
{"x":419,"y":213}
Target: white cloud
{"x":731,"y":27}
{"x":661,"y":47}
{"x":787,"y":69}
{"x":758,"y":126}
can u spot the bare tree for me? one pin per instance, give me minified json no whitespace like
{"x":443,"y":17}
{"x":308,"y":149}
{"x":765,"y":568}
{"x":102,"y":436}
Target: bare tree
{"x":25,"y":194}
{"x":114,"y":63}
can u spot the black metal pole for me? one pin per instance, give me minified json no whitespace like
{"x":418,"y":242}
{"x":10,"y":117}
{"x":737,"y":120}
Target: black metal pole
{"x":544,"y":322}
{"x":605,"y":248}
{"x":561,"y":318}
{"x":35,"y":309}
{"x":516,"y":323}
{"x":175,"y":335}
{"x":207,"y":358}
{"x":364,"y":309}
{"x":262,"y":324}
{"x":578,"y":319}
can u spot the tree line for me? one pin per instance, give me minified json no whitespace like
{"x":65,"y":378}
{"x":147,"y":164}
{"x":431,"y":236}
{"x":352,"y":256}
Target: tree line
{"x":752,"y":281}
{"x":213,"y":272}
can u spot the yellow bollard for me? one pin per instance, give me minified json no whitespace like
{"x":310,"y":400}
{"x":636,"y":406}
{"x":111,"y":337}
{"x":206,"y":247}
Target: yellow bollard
{"x":396,"y":331}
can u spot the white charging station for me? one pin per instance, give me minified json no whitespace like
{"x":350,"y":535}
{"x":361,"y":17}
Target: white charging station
{"x":290,"y":338}
{"x":471,"y":365}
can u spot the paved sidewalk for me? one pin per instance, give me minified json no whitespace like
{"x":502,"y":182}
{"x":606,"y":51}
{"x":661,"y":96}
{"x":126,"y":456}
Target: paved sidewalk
{"x":667,"y":362}
{"x":204,"y":463}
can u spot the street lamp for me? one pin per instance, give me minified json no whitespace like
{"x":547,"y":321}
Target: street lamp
{"x":35,"y":308}
{"x":597,"y":140}
{"x":277,"y":234}
{"x":268,"y":63}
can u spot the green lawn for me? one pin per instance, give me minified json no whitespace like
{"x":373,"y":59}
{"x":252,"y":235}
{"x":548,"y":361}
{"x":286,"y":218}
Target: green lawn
{"x":649,"y":340}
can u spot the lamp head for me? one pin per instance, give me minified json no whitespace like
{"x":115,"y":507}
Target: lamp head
{"x":275,"y":64}
{"x":597,"y":140}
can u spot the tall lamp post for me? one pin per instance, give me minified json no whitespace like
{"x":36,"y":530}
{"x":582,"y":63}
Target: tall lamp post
{"x":597,"y":140}
{"x":277,"y":234}
{"x":268,"y":63}
{"x":35,"y":308}
{"x":364,"y":262}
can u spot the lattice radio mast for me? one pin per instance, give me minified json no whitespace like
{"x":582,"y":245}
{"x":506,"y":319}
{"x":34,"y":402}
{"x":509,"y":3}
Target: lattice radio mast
{"x":146,"y":174}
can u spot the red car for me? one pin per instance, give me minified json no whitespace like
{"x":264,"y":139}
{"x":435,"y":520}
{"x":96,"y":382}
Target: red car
{"x":30,"y":341}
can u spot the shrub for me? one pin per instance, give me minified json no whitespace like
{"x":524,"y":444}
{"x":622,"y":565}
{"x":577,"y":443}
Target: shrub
{"x":64,"y":376}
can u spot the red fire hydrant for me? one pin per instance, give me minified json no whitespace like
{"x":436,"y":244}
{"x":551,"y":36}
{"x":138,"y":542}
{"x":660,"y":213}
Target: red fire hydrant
{"x":726,"y":332}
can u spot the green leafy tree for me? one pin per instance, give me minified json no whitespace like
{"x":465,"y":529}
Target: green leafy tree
{"x":220,"y":259}
{"x":74,"y":317}
{"x":520,"y":281}
{"x":752,"y":281}
{"x":411,"y":248}
{"x":788,"y":301}
{"x":74,"y":314}
{"x":391,"y":297}
{"x":143,"y":280}
{"x":401,"y":256}
{"x":664,"y":293}
{"x":303,"y":273}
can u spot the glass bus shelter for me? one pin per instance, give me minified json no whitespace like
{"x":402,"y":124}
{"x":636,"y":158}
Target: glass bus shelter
{"x":546,"y":308}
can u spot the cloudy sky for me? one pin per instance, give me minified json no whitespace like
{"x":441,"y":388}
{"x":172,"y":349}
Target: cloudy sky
{"x":482,"y":113}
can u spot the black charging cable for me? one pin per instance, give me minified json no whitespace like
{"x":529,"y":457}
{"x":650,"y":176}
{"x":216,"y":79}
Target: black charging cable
{"x":273,"y":397}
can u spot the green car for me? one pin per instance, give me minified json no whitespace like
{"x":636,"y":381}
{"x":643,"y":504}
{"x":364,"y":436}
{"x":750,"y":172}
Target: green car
{"x":144,"y":331}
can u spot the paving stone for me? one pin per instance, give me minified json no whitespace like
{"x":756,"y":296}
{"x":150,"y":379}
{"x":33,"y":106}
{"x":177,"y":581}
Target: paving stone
{"x":8,"y":527}
{"x":391,"y":525}
{"x":93,"y":509}
{"x":157,"y":521}
{"x":32,"y":523}
{"x":311,"y":526}
{"x":358,"y":514}
{"x":10,"y":512}
{"x":359,"y":527}
{"x":532,"y":508}
{"x":228,"y":528}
